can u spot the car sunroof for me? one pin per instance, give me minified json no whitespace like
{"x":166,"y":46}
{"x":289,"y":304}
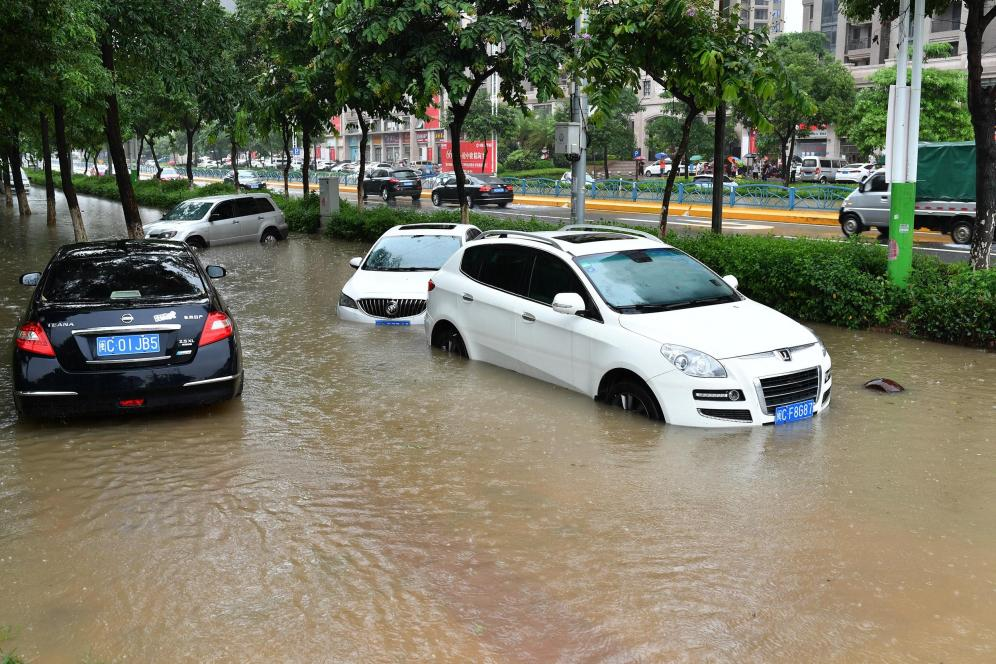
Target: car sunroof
{"x":582,"y":238}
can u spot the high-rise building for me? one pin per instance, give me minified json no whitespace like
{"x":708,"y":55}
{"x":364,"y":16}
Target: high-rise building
{"x":757,"y":14}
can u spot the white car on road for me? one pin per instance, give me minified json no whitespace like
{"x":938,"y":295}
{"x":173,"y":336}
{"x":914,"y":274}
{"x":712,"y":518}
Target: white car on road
{"x":214,"y":220}
{"x":854,"y":173}
{"x":624,"y":318}
{"x":390,"y":282}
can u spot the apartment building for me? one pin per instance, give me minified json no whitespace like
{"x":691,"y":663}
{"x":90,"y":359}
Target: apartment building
{"x":757,"y":14}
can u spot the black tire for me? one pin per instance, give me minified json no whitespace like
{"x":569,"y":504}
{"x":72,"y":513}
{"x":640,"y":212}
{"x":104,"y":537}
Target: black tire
{"x":450,"y":341}
{"x":961,"y":232}
{"x":851,"y":225}
{"x":883,"y":232}
{"x":436,"y":200}
{"x":197,"y":242}
{"x":385,"y":194}
{"x":823,"y":180}
{"x":270,"y":236}
{"x":634,"y":397}
{"x":503,"y":205}
{"x":416,"y":198}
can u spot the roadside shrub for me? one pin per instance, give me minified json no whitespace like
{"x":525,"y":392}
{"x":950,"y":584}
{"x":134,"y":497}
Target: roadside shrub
{"x":302,"y":214}
{"x":521,"y":160}
{"x":952,"y":303}
{"x":545,"y":171}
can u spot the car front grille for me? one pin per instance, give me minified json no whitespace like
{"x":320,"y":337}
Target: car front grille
{"x":790,"y":388}
{"x":385,"y":307}
{"x":724,"y":414}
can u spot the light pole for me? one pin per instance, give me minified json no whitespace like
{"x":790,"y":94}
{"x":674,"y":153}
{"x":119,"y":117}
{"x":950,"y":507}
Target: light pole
{"x":579,"y":114}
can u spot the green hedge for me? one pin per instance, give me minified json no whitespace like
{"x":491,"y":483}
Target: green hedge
{"x":821,"y":281}
{"x":301,"y":214}
{"x":546,"y":172}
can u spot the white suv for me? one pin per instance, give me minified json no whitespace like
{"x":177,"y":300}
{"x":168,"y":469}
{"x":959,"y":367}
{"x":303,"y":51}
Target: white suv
{"x":213,"y":220}
{"x":622,"y":317}
{"x":390,"y":282}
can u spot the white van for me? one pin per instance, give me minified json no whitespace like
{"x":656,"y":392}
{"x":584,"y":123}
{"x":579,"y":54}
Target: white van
{"x":819,"y":169}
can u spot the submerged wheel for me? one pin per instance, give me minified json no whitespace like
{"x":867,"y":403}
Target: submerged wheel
{"x":449,"y":340}
{"x":415,"y":199}
{"x":634,"y":397}
{"x":385,"y":194}
{"x":961,"y":232}
{"x":851,"y":225}
{"x":197,"y":242}
{"x":435,"y":199}
{"x":270,"y":236}
{"x":503,"y":205}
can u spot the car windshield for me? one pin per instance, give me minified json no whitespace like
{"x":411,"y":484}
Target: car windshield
{"x":409,"y":253}
{"x":188,"y":211}
{"x":406,"y":174}
{"x":111,"y":276}
{"x":658,"y":279}
{"x":247,"y":174}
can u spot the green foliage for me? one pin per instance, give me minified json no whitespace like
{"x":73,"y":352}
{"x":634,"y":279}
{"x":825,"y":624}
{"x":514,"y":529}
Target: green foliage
{"x":482,"y":125}
{"x":544,"y":172}
{"x":149,"y":193}
{"x":664,"y":133}
{"x":301,"y":214}
{"x":521,"y":160}
{"x":944,"y":114}
{"x":955,"y":305}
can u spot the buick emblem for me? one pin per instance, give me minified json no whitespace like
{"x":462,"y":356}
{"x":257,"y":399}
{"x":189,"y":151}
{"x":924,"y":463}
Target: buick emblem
{"x":392,"y":307}
{"x":127,"y":318}
{"x":785,"y":354}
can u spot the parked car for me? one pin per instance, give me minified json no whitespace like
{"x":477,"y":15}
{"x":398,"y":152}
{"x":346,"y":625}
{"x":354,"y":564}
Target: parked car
{"x":349,"y":167}
{"x":214,"y":220}
{"x":479,"y":189}
{"x":124,"y":325}
{"x":248,"y":180}
{"x":382,"y":164}
{"x":624,"y":318}
{"x":568,"y":177}
{"x":819,"y":169}
{"x":389,"y":285}
{"x":854,"y":173}
{"x":653,"y":169}
{"x":706,"y":182}
{"x":390,"y":183}
{"x":170,"y":173}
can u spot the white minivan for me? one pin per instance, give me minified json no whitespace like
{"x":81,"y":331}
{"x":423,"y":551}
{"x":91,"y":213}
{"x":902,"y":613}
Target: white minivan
{"x":214,"y":220}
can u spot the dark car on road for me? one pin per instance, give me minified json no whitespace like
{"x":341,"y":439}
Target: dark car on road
{"x":479,"y":189}
{"x":389,"y":183}
{"x":126,"y":325}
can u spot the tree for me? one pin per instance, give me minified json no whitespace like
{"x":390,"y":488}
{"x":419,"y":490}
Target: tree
{"x":981,"y":107}
{"x":483,"y":125}
{"x":944,"y":112}
{"x":664,"y":133}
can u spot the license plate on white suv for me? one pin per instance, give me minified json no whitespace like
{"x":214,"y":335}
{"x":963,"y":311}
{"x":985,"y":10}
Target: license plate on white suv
{"x":794,"y":412}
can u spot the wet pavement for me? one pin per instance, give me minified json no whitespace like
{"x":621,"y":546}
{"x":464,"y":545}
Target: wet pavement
{"x":371,"y":500}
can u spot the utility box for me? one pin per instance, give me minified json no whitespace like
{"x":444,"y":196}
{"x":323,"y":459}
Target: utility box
{"x":328,"y":195}
{"x":567,"y":138}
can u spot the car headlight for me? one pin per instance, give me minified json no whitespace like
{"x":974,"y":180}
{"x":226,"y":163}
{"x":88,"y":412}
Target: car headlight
{"x":165,"y":235}
{"x":692,"y":362}
{"x":346,"y":301}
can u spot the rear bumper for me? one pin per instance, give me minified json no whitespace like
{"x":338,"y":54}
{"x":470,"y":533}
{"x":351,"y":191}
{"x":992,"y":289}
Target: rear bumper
{"x":485,"y":199}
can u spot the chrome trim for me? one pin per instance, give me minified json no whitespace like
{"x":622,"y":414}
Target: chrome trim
{"x":615,"y":229}
{"x":172,"y":327}
{"x":130,"y":360}
{"x":772,"y":353}
{"x":220,"y":379}
{"x":47,"y":394}
{"x":762,"y":400}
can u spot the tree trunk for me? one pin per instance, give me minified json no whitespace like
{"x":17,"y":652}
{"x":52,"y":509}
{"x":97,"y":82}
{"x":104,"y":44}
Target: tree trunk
{"x":14,"y":159}
{"x":285,"y":131}
{"x":152,"y":150}
{"x":8,"y":193}
{"x":235,"y":161}
{"x":788,"y":162}
{"x":679,"y":154}
{"x":306,"y":162}
{"x":190,"y":131}
{"x":49,"y":183}
{"x":141,"y":149}
{"x":605,"y":160}
{"x":456,"y":129}
{"x":66,"y":173}
{"x":364,"y":131}
{"x":982,"y":106}
{"x":718,"y":168}
{"x":783,"y":152}
{"x":112,"y":127}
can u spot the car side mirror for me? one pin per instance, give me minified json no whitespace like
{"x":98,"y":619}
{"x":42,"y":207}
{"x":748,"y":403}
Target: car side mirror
{"x":30,"y":279}
{"x":732,"y":281}
{"x":215,"y":216}
{"x":568,"y":303}
{"x":355,"y":262}
{"x":215,"y":271}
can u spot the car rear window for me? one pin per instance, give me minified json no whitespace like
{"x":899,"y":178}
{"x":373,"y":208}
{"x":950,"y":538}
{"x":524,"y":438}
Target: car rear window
{"x":262,"y":205}
{"x":115,"y":276}
{"x":406,"y":174}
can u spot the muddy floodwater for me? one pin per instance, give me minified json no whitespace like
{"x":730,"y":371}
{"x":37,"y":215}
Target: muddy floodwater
{"x":371,"y":500}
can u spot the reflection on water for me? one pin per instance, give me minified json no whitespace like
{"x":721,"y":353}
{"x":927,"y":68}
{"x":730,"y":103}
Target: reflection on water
{"x":371,"y":500}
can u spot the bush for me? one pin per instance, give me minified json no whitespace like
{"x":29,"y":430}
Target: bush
{"x":953,"y":304}
{"x":302,"y":214}
{"x":521,"y":160}
{"x":547,"y":171}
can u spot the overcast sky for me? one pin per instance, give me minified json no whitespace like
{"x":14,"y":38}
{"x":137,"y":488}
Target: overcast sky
{"x":793,"y":15}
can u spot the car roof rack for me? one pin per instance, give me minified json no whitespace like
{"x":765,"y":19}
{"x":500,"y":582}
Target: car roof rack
{"x":523,"y":234}
{"x":440,"y":227}
{"x":614,"y":229}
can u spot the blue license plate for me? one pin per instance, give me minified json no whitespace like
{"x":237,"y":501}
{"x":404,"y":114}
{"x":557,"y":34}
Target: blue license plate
{"x":393,"y":323}
{"x":499,"y":190}
{"x":406,"y":183}
{"x":127,"y":344}
{"x":794,"y":412}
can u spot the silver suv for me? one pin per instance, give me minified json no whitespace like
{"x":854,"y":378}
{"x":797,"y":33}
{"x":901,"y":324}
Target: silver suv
{"x":213,"y":220}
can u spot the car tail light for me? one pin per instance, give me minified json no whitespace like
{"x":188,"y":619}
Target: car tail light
{"x":485,"y":187}
{"x":431,"y":285}
{"x":394,"y":180}
{"x":131,"y":403}
{"x":31,"y":338}
{"x":218,"y":326}
{"x":510,"y":187}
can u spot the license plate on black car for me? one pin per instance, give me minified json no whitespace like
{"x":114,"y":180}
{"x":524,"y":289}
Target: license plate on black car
{"x":127,"y":344}
{"x":794,"y":412}
{"x":499,"y":190}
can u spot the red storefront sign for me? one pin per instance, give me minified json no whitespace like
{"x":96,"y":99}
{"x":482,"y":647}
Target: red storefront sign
{"x":475,"y":156}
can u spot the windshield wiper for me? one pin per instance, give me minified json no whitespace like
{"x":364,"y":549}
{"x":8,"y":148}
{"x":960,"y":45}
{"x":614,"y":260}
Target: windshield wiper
{"x":671,"y":306}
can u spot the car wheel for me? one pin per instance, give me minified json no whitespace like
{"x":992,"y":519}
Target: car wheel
{"x":270,"y":236}
{"x":451,"y":342}
{"x":385,"y":194}
{"x":634,"y":397}
{"x":435,"y":199}
{"x":416,"y":198}
{"x":851,"y":225}
{"x":197,"y":242}
{"x":503,"y":205}
{"x":647,"y":173}
{"x":823,"y":180}
{"x":961,"y":232}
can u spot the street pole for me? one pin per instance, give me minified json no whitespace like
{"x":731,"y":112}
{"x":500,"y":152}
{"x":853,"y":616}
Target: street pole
{"x":579,"y":114}
{"x":903,"y":135}
{"x":718,"y":169}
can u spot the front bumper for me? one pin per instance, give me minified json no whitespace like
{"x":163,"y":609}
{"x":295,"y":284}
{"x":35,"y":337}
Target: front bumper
{"x":359,"y":316}
{"x":674,"y":390}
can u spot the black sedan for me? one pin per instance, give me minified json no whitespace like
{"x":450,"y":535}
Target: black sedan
{"x":479,"y":189}
{"x":391,"y":182}
{"x":126,"y":325}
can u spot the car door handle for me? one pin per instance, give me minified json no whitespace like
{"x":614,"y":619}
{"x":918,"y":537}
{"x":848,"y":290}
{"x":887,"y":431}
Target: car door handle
{"x":468,"y":297}
{"x":526,"y":316}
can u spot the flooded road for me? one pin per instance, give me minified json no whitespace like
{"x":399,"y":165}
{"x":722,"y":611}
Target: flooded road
{"x":370,"y":500}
